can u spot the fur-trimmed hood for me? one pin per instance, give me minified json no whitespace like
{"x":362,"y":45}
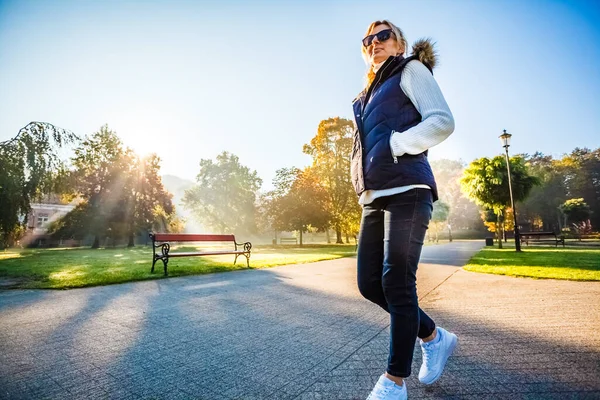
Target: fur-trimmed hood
{"x":424,"y":51}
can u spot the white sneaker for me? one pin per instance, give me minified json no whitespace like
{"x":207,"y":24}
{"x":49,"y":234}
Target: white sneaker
{"x":435,"y":356}
{"x":387,"y":389}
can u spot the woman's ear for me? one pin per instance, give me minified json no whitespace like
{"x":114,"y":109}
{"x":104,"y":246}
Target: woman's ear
{"x":400,"y":50}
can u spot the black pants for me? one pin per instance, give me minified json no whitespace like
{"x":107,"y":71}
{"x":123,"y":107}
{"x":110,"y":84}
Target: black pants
{"x":391,"y":236}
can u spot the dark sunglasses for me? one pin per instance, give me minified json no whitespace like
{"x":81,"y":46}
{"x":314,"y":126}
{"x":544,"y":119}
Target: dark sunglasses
{"x":381,"y":37}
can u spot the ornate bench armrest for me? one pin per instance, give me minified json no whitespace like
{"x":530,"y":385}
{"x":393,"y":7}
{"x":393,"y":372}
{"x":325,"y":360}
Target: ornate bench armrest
{"x":247,"y":246}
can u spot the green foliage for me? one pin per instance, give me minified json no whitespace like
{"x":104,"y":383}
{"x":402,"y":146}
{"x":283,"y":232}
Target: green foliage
{"x":440,"y":212}
{"x":541,"y":206}
{"x":439,"y":218}
{"x":581,"y":171}
{"x":122,"y":194}
{"x":225,"y":195}
{"x":99,"y":178}
{"x":30,"y":167}
{"x":485,"y":181}
{"x":330,"y":150}
{"x":74,"y":225}
{"x":149,"y":206}
{"x":576,"y":210}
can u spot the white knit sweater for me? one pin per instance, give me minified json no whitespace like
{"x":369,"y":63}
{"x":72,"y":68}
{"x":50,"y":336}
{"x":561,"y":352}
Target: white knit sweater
{"x":437,"y":124}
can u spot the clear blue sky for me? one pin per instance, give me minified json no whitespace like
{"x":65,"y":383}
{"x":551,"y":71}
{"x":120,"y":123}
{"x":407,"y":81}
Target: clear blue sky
{"x":189,"y":79}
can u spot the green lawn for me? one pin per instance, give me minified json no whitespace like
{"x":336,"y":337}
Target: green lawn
{"x":580,"y":264}
{"x":70,"y":268}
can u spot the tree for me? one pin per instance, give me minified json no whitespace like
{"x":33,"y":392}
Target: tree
{"x":122,"y":194}
{"x":148,"y":204}
{"x":224,"y":198}
{"x":463,"y":213}
{"x":330,"y":149}
{"x":102,"y":166}
{"x":485,"y":181}
{"x":351,"y":224}
{"x":577,"y":213}
{"x":166,"y":222}
{"x":298,"y":202}
{"x":498,"y":224}
{"x":575,"y":210}
{"x":582,"y":179}
{"x":269,"y":204}
{"x":74,"y":225}
{"x":541,"y":206}
{"x":30,"y":167}
{"x":439,"y":218}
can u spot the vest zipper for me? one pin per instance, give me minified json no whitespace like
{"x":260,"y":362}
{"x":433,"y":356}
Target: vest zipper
{"x":392,"y":150}
{"x":379,"y":75}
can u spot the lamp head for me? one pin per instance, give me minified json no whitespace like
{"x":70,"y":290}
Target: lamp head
{"x":505,"y":138}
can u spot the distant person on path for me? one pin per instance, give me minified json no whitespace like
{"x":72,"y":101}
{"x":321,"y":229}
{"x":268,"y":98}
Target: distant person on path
{"x":399,"y":115}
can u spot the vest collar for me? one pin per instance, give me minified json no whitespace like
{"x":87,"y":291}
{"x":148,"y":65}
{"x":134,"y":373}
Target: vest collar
{"x":390,"y":67}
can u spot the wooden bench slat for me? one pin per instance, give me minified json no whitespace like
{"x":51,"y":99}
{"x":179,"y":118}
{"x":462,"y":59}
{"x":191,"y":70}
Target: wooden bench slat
{"x":189,"y":237}
{"x":205,"y":253}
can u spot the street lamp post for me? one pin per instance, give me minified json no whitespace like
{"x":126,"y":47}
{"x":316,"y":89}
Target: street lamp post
{"x":505,"y":137}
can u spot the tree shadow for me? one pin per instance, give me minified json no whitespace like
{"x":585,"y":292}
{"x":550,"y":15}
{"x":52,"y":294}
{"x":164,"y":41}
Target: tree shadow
{"x":257,"y":334}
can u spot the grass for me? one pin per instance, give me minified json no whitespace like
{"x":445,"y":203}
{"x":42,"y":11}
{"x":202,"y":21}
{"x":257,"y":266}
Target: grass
{"x":578,"y":264}
{"x":71,"y":268}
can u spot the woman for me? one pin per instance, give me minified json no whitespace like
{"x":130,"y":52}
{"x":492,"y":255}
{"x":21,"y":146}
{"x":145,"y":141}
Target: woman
{"x":399,"y":115}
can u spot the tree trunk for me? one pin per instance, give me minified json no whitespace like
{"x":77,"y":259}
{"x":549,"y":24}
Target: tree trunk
{"x":560,"y":225}
{"x":300,"y":237}
{"x":96,"y":243}
{"x":499,"y":233}
{"x":338,"y":234}
{"x":131,"y":243}
{"x":327,"y":236}
{"x":347,"y":238}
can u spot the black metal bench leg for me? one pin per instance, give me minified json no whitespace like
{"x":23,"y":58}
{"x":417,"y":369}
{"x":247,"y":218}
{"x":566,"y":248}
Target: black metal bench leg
{"x":165,"y":262}
{"x":153,"y":262}
{"x":248,"y":260}
{"x":235,"y":260}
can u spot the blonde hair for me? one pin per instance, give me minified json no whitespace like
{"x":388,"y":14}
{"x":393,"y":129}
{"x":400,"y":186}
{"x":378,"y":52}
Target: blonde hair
{"x":398,"y":37}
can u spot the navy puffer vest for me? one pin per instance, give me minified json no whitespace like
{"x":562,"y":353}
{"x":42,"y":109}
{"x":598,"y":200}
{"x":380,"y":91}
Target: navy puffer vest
{"x":380,"y":111}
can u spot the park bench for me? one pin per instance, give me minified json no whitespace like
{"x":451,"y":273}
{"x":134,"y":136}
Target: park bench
{"x":164,"y":240}
{"x":288,"y":240}
{"x":542,"y":237}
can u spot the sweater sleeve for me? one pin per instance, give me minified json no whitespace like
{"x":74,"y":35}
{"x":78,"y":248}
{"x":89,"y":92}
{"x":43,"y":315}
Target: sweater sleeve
{"x":437,"y":124}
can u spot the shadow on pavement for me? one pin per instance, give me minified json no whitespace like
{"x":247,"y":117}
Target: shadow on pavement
{"x":261,"y":334}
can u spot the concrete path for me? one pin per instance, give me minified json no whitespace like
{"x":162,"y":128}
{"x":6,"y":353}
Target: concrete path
{"x":297,"y":332}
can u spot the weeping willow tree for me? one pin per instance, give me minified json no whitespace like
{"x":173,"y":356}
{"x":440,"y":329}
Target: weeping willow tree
{"x":30,"y":167}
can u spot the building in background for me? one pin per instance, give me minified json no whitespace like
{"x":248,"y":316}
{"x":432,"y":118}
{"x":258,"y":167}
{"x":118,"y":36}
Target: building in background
{"x":42,"y":214}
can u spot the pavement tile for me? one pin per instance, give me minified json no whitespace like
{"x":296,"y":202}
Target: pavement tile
{"x":297,"y":332}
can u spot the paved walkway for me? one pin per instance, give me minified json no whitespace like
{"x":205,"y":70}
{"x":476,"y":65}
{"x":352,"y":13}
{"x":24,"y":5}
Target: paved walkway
{"x":297,"y":332}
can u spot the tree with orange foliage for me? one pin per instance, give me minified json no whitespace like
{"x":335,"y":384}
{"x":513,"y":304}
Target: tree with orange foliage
{"x":330,"y":150}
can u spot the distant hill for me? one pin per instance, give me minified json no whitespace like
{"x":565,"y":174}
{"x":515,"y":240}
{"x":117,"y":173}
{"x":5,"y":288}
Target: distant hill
{"x":176,"y":185}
